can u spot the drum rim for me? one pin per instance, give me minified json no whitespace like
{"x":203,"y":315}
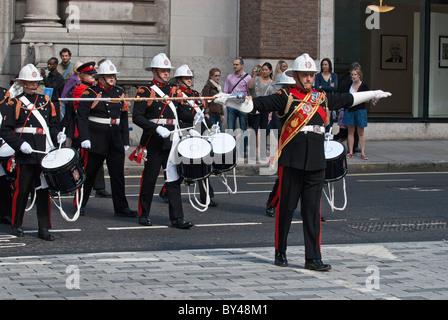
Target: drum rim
{"x":182,"y":156}
{"x":60,"y":167}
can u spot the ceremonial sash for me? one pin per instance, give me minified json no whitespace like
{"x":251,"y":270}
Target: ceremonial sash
{"x":298,"y":118}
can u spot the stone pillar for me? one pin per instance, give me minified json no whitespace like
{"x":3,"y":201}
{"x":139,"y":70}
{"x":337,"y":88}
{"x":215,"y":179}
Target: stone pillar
{"x":42,"y":13}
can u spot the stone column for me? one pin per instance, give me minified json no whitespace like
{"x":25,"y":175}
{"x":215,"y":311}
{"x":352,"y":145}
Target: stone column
{"x":42,"y":13}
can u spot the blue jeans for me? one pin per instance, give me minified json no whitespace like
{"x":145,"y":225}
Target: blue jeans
{"x":232,"y":115}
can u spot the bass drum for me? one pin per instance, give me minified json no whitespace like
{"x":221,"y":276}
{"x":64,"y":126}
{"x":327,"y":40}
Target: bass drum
{"x":224,"y":152}
{"x":335,"y":154}
{"x":194,"y":161}
{"x":62,"y":170}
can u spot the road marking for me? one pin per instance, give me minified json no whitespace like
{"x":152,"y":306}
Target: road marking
{"x":55,"y":230}
{"x":128,"y":260}
{"x":387,"y":180}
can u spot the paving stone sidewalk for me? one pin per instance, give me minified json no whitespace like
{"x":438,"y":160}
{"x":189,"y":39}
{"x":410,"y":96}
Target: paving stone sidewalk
{"x":392,"y":271}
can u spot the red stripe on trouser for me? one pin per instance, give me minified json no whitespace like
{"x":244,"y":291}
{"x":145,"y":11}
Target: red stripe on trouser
{"x":279,"y":189}
{"x":140,"y":209}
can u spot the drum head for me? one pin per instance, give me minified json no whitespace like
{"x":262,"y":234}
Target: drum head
{"x":58,"y":158}
{"x":6,"y":151}
{"x":194,"y":148}
{"x":333,"y":149}
{"x":222,"y":143}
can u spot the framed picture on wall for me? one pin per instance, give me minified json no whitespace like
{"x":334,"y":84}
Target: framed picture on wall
{"x":443,"y":51}
{"x":394,"y":52}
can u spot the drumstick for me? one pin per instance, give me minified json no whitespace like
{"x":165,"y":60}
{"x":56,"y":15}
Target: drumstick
{"x":60,"y":145}
{"x":37,"y":151}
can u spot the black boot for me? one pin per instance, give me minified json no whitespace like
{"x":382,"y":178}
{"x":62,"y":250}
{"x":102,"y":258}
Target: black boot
{"x":316,"y":265}
{"x":280,"y":259}
{"x":45,"y":235}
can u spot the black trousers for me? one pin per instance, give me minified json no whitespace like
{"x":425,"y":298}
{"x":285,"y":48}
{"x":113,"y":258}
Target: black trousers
{"x":28,"y":177}
{"x":115,"y":166}
{"x":305,"y":186}
{"x":157,"y":159}
{"x":5,"y":197}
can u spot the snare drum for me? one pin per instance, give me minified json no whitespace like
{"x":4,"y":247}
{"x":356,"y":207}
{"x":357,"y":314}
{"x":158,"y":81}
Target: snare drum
{"x":335,"y":155}
{"x":224,"y":152}
{"x":194,"y":159}
{"x":62,"y":170}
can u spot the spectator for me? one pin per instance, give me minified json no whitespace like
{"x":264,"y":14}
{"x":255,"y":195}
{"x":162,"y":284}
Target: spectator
{"x":55,"y":81}
{"x":327,"y":81}
{"x":356,"y":116}
{"x":66,"y":67}
{"x":214,"y":112}
{"x":238,"y":82}
{"x":261,"y":84}
{"x":279,"y":69}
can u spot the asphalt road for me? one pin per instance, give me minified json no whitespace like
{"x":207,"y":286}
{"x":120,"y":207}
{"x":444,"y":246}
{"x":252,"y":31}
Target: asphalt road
{"x":380,"y":208}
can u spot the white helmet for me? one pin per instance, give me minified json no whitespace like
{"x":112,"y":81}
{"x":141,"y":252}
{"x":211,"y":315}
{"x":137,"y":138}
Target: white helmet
{"x":107,"y":67}
{"x":282,"y":78}
{"x":303,"y":63}
{"x":29,"y":73}
{"x":183,"y":71}
{"x":160,"y":61}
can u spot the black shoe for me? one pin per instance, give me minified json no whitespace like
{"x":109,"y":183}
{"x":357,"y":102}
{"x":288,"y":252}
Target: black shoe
{"x":144,"y":221}
{"x":163,"y":196}
{"x":45,"y":235}
{"x":280,"y":259}
{"x":18,"y":232}
{"x":181,"y":223}
{"x":128,"y":213}
{"x":211,"y":204}
{"x":323,"y":219}
{"x":316,"y":265}
{"x":102,"y":193}
{"x":356,"y":150}
{"x":270,"y":211}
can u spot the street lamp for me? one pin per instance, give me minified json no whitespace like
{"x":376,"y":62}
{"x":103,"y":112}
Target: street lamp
{"x":381,"y":8}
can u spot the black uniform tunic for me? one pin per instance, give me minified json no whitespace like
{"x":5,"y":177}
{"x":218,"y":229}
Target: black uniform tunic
{"x":107,"y":140}
{"x":16,"y":117}
{"x":144,"y":115}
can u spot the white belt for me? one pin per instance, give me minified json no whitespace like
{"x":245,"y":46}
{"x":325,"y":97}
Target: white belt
{"x":30,"y":130}
{"x":109,"y":121}
{"x":164,"y":121}
{"x":315,"y":129}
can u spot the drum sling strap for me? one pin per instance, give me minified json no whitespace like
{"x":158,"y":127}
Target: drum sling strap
{"x":299,"y":118}
{"x":49,"y":144}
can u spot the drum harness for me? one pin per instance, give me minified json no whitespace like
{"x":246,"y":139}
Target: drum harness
{"x":49,"y":147}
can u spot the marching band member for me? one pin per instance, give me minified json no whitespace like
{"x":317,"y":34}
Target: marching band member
{"x":30,"y":123}
{"x":158,"y":119}
{"x":5,"y":184}
{"x":300,"y":153}
{"x":104,"y":134}
{"x":184,"y":77}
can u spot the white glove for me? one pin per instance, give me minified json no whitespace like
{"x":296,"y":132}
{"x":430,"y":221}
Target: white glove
{"x":221,"y":98}
{"x":216,"y":128}
{"x":61,"y":137}
{"x":126,"y":148}
{"x":86,"y":144}
{"x":163,"y":132}
{"x":245,"y":107}
{"x":199,"y":116}
{"x":26,"y":148}
{"x":364,"y":96}
{"x":194,"y":133}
